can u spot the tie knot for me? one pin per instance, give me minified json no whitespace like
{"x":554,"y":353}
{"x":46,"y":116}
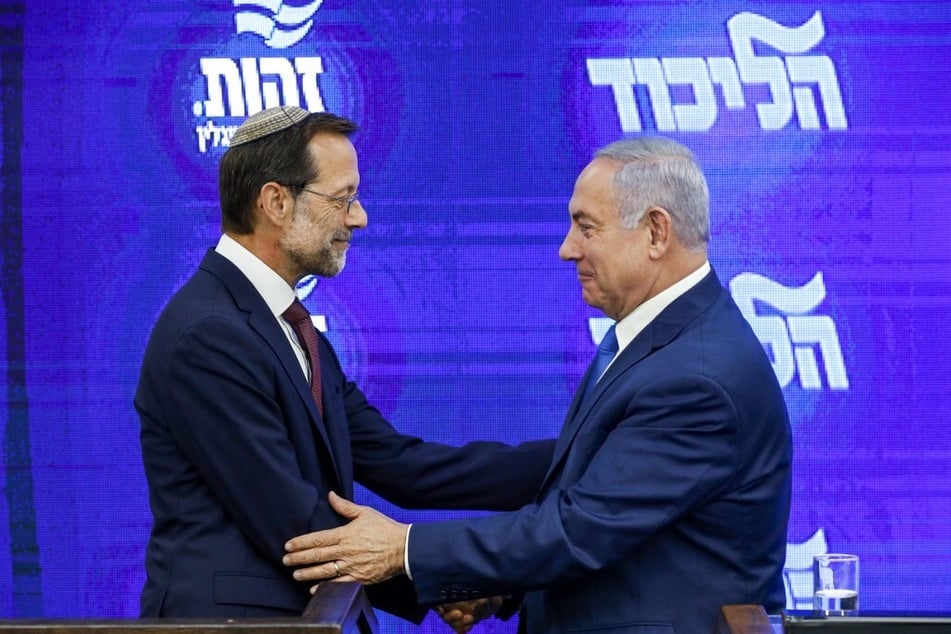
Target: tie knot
{"x":296,"y":312}
{"x":609,"y":342}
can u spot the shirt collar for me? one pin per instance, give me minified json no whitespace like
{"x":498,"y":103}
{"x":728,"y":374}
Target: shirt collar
{"x":277,"y":294}
{"x":635,"y":322}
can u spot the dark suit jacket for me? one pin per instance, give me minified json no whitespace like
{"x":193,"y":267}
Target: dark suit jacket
{"x":668,"y":494}
{"x":238,"y":459}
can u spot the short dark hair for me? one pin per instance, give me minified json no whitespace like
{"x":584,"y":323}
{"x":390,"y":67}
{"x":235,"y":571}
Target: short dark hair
{"x":281,"y":157}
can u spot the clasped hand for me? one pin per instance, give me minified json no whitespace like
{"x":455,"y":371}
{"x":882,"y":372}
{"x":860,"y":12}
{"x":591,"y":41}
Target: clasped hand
{"x":369,"y":549}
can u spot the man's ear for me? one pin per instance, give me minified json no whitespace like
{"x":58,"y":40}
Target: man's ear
{"x":274,"y":204}
{"x":660,"y":226}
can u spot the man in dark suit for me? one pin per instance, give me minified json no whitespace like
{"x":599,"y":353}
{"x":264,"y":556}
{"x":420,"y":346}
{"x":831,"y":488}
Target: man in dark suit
{"x":243,"y":435}
{"x":668,"y":494}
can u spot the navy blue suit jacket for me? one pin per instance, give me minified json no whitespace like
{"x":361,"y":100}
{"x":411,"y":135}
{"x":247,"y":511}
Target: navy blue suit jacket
{"x":668,"y":494}
{"x":238,"y":459}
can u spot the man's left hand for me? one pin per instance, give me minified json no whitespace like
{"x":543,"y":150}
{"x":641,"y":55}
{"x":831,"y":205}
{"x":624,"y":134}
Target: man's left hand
{"x":369,"y":549}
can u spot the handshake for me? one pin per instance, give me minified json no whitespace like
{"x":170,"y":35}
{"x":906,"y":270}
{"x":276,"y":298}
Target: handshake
{"x":369,"y":549}
{"x":463,"y":615}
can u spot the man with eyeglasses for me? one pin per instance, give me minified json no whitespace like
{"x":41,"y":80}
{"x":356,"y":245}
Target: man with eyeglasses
{"x":247,"y":419}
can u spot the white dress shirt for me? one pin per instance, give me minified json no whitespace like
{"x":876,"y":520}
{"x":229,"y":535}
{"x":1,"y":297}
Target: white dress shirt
{"x":638,"y":319}
{"x":277,"y":294}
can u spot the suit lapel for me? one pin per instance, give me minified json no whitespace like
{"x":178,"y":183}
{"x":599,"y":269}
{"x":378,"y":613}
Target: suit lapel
{"x":262,"y":321}
{"x":334,"y":419}
{"x":581,"y":408}
{"x":657,"y":334}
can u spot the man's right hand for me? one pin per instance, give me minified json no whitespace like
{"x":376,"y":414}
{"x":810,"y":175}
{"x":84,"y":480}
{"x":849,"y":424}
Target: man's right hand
{"x":463,"y":615}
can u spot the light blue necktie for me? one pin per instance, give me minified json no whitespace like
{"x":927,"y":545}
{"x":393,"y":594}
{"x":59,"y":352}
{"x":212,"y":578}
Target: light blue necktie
{"x":606,"y":351}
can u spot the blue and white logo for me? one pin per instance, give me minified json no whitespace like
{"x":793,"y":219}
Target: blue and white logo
{"x":238,"y":87}
{"x":281,"y":27}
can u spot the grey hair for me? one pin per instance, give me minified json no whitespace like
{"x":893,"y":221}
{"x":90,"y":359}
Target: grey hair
{"x":660,"y":172}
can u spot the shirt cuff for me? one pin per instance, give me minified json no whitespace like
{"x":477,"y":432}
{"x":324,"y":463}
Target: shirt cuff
{"x":406,"y":553}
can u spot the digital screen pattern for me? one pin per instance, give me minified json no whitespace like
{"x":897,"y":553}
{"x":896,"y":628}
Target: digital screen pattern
{"x":823,"y":128}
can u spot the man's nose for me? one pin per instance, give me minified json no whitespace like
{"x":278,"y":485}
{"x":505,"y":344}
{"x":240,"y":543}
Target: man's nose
{"x":356,"y":215}
{"x":568,"y":251}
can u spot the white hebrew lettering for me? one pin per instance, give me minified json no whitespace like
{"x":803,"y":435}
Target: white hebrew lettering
{"x":650,"y":73}
{"x":792,"y":335}
{"x":619,"y":75}
{"x":251,"y":80}
{"x":794,"y":81}
{"x":309,"y":68}
{"x":817,"y":330}
{"x":283,"y":92}
{"x":217,"y":71}
{"x":692,"y":71}
{"x":238,"y":88}
{"x":743,"y":29}
{"x":217,"y":135}
{"x":723,"y":72}
{"x":820,"y":71}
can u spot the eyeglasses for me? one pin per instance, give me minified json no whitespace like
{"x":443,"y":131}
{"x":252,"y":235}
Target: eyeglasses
{"x":340,"y":200}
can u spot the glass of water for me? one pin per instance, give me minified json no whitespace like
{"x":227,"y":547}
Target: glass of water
{"x":835,"y":582}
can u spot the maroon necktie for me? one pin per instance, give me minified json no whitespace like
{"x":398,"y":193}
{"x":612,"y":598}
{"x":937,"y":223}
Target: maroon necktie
{"x":299,"y":319}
